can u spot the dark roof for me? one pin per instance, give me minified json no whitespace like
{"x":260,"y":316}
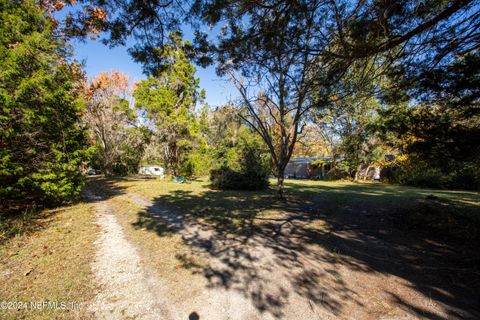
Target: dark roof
{"x":303,"y":159}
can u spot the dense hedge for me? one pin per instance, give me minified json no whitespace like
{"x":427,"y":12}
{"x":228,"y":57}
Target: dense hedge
{"x":228,"y":179}
{"x":458,"y":175}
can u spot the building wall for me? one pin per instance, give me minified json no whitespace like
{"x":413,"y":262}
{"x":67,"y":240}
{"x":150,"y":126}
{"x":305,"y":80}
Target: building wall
{"x":298,"y":170}
{"x":303,"y":170}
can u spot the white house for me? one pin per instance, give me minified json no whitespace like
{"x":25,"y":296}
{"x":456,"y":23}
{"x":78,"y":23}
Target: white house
{"x":152,"y":170}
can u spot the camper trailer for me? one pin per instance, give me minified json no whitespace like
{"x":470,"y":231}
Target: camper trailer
{"x":152,"y":170}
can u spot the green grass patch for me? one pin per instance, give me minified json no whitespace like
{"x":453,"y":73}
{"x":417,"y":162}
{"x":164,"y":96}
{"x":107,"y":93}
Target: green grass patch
{"x":444,"y":211}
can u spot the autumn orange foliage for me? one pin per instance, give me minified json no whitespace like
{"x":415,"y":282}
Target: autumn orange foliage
{"x":115,"y":81}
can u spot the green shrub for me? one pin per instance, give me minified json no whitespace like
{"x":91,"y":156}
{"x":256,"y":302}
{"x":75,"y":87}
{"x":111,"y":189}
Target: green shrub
{"x":460,"y":175}
{"x":336,"y":174}
{"x":186,"y":168}
{"x":423,"y":176}
{"x":466,"y":176}
{"x":227,"y":179}
{"x":252,"y":175}
{"x":198,"y":164}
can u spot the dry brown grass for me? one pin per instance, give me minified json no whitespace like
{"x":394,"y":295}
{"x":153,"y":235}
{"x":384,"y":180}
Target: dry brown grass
{"x":50,"y":263}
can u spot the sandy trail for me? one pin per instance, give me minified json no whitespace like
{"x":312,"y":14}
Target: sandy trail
{"x":126,"y":289}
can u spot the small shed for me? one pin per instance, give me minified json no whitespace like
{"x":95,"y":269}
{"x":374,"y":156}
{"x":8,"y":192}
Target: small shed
{"x":152,"y":170}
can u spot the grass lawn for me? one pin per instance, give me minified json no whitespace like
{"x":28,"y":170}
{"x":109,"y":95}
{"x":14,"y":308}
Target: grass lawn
{"x":50,"y":261}
{"x":336,"y":191}
{"x":447,"y":211}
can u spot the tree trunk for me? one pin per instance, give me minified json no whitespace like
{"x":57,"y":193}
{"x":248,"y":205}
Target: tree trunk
{"x":376,"y":175}
{"x":365,"y":175}
{"x":357,"y":174}
{"x":280,"y":178}
{"x":107,"y":164}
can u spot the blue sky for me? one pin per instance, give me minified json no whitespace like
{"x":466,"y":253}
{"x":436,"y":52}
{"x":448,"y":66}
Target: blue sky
{"x":98,"y":57}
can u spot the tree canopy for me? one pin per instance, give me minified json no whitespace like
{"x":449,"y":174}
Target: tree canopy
{"x":341,"y":30}
{"x":168,"y":100}
{"x":115,"y":130}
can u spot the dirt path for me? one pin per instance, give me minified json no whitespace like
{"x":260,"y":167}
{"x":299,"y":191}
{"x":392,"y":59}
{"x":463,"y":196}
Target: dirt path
{"x":125,"y":288}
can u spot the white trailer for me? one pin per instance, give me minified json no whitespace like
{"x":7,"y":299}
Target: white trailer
{"x":152,"y":170}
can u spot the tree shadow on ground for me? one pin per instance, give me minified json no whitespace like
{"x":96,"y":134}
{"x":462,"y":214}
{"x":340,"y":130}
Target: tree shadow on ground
{"x":273,"y":251}
{"x":101,"y":188}
{"x":30,"y":221}
{"x":28,"y":217}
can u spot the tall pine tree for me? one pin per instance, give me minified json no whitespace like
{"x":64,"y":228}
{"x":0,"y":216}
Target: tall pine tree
{"x":168,"y":99}
{"x":41,"y":142}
